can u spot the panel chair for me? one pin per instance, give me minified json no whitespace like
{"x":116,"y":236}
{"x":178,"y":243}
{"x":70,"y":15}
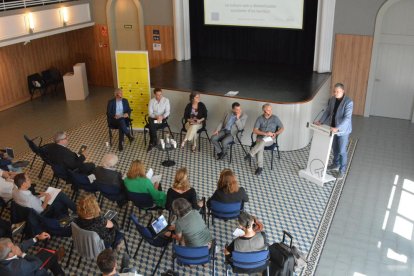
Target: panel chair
{"x":143,"y":201}
{"x":248,"y":262}
{"x":163,"y":126}
{"x":151,"y":239}
{"x":35,"y":83}
{"x":199,"y":132}
{"x":224,"y":211}
{"x":86,"y":243}
{"x":239,"y":135}
{"x":111,"y":127}
{"x":194,"y":255}
{"x":271,"y":148}
{"x":35,"y":147}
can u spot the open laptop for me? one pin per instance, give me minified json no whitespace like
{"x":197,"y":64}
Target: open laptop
{"x":159,"y":225}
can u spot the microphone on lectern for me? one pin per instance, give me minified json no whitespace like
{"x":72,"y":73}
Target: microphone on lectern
{"x":314,"y":120}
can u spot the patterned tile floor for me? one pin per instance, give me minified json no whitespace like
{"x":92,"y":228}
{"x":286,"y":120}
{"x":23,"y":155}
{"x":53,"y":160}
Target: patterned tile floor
{"x":279,"y":198}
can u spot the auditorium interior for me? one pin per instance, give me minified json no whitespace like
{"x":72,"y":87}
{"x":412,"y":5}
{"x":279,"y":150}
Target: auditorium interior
{"x":360,"y":225}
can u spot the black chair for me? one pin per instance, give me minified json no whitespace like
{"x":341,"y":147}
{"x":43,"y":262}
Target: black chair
{"x":201,"y":130}
{"x":35,"y":83}
{"x":33,"y":146}
{"x":271,"y":148}
{"x":112,"y":193}
{"x":20,"y":213}
{"x":155,"y":241}
{"x":59,"y":173}
{"x":163,"y":125}
{"x":80,"y":182}
{"x":143,"y":201}
{"x":239,"y":135}
{"x":52,"y":78}
{"x":111,"y":127}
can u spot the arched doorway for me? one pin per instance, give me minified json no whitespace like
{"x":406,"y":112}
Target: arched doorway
{"x":125,"y":27}
{"x":390,"y":90}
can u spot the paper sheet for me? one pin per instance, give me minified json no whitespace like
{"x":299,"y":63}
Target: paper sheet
{"x":53,"y":194}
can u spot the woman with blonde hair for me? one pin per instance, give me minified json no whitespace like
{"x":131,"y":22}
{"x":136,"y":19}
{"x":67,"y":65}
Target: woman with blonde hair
{"x":228,"y":189}
{"x":181,"y":188}
{"x":137,"y":182}
{"x":90,"y":218}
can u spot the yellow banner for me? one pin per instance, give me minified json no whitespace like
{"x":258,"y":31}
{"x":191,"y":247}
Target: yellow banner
{"x":132,"y":69}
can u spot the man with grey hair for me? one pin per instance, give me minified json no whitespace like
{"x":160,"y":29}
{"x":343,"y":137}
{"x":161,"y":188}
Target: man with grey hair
{"x":13,"y":260}
{"x":108,"y":175}
{"x":267,"y":128}
{"x":118,"y":114}
{"x":338,"y":115}
{"x":59,"y":154}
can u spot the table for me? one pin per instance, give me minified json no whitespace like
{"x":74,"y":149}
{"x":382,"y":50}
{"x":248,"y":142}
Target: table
{"x":167,"y":149}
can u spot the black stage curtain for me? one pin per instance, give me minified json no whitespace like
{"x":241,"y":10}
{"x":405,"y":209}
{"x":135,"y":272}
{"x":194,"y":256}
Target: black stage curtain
{"x":293,"y":48}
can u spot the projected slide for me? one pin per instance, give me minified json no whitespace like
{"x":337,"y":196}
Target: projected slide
{"x":257,"y":13}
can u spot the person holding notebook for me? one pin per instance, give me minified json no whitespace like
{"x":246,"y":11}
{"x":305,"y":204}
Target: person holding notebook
{"x":50,"y":207}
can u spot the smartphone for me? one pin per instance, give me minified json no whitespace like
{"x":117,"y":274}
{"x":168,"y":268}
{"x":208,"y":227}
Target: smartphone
{"x":82,"y":149}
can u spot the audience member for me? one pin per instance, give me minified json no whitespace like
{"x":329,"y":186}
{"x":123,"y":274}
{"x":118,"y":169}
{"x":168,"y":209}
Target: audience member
{"x":13,"y":260}
{"x":5,"y":229}
{"x":181,"y":189}
{"x":5,"y":160}
{"x":267,"y":127}
{"x":58,"y":153}
{"x":190,"y":228}
{"x":158,"y":112}
{"x":6,"y":184}
{"x":118,"y":111}
{"x":232,"y":122}
{"x":107,"y":263}
{"x":91,"y":219}
{"x":24,"y":197}
{"x":228,"y":189}
{"x":195,"y":115}
{"x":107,"y":173}
{"x":249,"y":240}
{"x":137,"y":182}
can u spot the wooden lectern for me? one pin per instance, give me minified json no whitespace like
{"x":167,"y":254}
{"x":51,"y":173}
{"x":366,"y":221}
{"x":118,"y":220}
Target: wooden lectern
{"x":76,"y":83}
{"x":319,"y":155}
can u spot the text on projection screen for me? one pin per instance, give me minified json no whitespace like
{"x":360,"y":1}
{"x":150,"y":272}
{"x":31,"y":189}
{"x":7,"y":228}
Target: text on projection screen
{"x":254,"y":13}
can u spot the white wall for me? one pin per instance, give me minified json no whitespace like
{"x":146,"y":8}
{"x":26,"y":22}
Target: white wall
{"x":293,"y":116}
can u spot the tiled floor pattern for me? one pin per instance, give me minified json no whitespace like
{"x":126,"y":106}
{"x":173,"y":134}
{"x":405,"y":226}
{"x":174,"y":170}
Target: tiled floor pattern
{"x":281,"y":199}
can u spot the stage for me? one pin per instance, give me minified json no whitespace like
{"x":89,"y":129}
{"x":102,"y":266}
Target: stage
{"x":254,"y":80}
{"x":297,"y":96}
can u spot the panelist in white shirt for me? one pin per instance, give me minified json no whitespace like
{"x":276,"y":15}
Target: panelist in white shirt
{"x":158,"y":112}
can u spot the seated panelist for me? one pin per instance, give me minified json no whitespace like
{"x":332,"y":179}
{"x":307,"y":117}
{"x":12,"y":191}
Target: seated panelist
{"x":158,"y":112}
{"x":118,"y":111}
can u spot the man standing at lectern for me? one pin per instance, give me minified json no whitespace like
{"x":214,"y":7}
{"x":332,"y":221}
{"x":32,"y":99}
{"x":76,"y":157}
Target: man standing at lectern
{"x":338,"y":115}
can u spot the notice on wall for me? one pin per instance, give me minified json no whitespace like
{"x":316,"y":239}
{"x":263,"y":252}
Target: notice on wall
{"x":132,"y":68}
{"x":156,"y":47}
